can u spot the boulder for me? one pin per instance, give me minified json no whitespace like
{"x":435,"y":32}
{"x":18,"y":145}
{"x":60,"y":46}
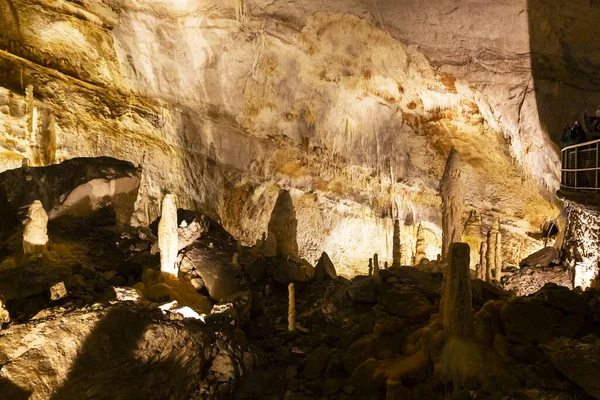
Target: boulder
{"x":32,"y":279}
{"x":578,"y":361}
{"x":256,"y":268}
{"x":325,"y":268}
{"x":100,"y":352}
{"x":527,"y":320}
{"x":541,"y":258}
{"x":357,"y":353}
{"x":217,"y":273}
{"x":316,"y":362}
{"x":408,"y":303}
{"x":363,"y":290}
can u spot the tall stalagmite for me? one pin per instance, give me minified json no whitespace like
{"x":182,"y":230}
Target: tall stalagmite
{"x":491,"y":250}
{"x":35,"y":234}
{"x":456,"y":304}
{"x":284,"y":225}
{"x":498,"y":258}
{"x":291,"y":308}
{"x":375,"y":266}
{"x":452,"y":192}
{"x":421,"y":245}
{"x":167,"y":236}
{"x":396,"y":248}
{"x":482,"y":270}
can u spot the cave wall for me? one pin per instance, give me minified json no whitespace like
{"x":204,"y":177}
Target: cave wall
{"x":352,"y":105}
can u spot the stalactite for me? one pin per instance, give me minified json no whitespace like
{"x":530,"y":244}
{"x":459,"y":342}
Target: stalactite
{"x":167,"y":236}
{"x":452,"y":192}
{"x":482,"y":266}
{"x":498,"y":260}
{"x":396,"y":249}
{"x":240,"y":14}
{"x":291,"y":308}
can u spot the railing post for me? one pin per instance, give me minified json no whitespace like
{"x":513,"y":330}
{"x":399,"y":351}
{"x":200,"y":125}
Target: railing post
{"x":596,"y":166}
{"x":576,"y":149}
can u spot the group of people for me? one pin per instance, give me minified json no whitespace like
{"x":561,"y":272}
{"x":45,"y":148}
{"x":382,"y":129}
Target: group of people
{"x":576,"y":134}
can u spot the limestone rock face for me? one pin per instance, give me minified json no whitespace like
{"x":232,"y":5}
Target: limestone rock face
{"x":353,"y":106}
{"x":35,"y":234}
{"x":99,"y":353}
{"x":284,"y":225}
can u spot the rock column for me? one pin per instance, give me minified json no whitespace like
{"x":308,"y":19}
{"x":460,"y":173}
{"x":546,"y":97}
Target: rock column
{"x":452,"y":192}
{"x":491,"y":251}
{"x":482,"y":270}
{"x":421,"y":246}
{"x":283,"y":225}
{"x":498,"y":258}
{"x":291,"y":308}
{"x":396,"y":248}
{"x":35,"y":234}
{"x":456,"y":304}
{"x":167,"y":237}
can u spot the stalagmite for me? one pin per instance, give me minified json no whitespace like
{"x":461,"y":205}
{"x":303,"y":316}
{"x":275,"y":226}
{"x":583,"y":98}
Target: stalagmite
{"x":370,"y":266}
{"x":284,"y":225}
{"x":291,"y":308}
{"x":482,"y":270}
{"x":456,"y":304}
{"x":451,"y":190}
{"x":498,"y":259}
{"x":35,"y":234}
{"x":421,"y":246}
{"x":167,"y":236}
{"x":396,"y":249}
{"x":491,"y":251}
{"x":375,"y":265}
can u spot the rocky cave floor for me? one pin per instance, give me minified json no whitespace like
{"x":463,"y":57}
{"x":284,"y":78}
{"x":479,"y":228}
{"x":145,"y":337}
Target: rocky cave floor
{"x":359,"y":338}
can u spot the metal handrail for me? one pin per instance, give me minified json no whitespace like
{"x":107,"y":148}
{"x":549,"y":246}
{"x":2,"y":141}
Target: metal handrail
{"x":580,"y":169}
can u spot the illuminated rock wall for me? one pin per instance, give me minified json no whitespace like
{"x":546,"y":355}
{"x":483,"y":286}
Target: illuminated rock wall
{"x":581,"y":250}
{"x":352,"y":107}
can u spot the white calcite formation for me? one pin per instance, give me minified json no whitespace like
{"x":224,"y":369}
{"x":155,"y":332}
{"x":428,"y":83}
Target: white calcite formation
{"x":168,"y":237}
{"x":581,"y":250}
{"x":452,"y":189}
{"x":35,"y":234}
{"x":456,"y":303}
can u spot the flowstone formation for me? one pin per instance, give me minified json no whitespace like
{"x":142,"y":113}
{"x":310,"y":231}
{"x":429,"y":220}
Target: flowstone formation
{"x":35,"y":234}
